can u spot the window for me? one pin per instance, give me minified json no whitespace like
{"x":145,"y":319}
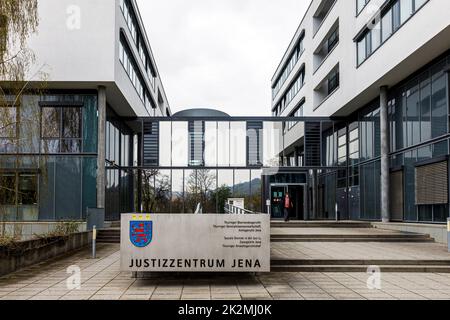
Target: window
{"x":297,"y":113}
{"x":375,"y":36}
{"x":333,"y":40}
{"x":130,"y":18}
{"x":392,"y":19}
{"x":342,"y":147}
{"x":406,"y":10}
{"x":333,"y":81}
{"x":61,"y":130}
{"x":362,"y":50}
{"x":386,"y":26}
{"x":296,"y":54}
{"x":8,"y":129}
{"x":360,"y":5}
{"x":196,"y":143}
{"x":27,"y":194}
{"x":292,"y":92}
{"x":130,"y":66}
{"x":8,"y":189}
{"x":18,"y":188}
{"x":254,"y":143}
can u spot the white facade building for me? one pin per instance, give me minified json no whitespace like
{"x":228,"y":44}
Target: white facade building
{"x":79,"y":46}
{"x":423,"y":35}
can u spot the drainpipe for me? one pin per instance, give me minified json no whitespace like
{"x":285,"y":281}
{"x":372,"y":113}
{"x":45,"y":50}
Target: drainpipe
{"x":385,"y":166}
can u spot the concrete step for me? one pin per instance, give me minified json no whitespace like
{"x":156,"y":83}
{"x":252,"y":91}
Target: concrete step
{"x":319,"y":239}
{"x":109,"y":235}
{"x":319,"y":224}
{"x":361,"y":268}
{"x":113,"y":241}
{"x":337,"y":236}
{"x":115,"y":224}
{"x":358,"y":262}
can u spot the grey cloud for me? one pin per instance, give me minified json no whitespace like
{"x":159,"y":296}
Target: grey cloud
{"x":220,"y":53}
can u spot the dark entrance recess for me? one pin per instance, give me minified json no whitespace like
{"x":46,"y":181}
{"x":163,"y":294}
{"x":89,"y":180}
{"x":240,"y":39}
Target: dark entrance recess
{"x":297,"y":195}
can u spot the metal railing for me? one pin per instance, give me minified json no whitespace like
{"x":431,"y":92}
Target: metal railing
{"x":230,"y":209}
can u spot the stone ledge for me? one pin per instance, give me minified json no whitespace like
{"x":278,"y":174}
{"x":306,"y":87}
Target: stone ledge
{"x":31,"y":252}
{"x":436,"y":231}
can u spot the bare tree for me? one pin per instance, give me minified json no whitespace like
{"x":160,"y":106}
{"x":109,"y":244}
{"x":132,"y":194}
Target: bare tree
{"x":200,"y":185}
{"x":155,"y":193}
{"x":18,"y":21}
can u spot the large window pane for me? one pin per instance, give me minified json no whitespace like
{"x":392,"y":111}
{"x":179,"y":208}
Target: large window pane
{"x":238,"y":143}
{"x":361,"y":50}
{"x":425,"y":109}
{"x":68,"y":177}
{"x":71,"y":123}
{"x":223,"y":140}
{"x":386,"y":25}
{"x":413,"y":114}
{"x":406,"y":10}
{"x":8,"y":189}
{"x":165,"y":150}
{"x":8,"y":122}
{"x":162,"y":192}
{"x":439,"y":105}
{"x":224,"y":188}
{"x":196,"y":143}
{"x":211,"y":145}
{"x":177,"y":205}
{"x":51,"y":122}
{"x":27,"y":189}
{"x":376,"y":36}
{"x":199,"y":190}
{"x":273,"y":143}
{"x":180,"y":144}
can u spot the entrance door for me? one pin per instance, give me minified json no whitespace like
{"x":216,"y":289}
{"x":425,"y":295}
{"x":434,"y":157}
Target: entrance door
{"x":277,"y":198}
{"x":297,"y":195}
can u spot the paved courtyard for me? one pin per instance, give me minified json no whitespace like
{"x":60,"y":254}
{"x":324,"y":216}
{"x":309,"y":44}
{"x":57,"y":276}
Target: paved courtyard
{"x":360,"y":250}
{"x":101,"y":279}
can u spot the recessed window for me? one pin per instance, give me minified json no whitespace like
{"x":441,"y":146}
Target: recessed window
{"x":131,"y":20}
{"x":333,"y":81}
{"x":295,"y":56}
{"x":61,"y":130}
{"x":292,"y":92}
{"x":8,"y":129}
{"x":392,"y":18}
{"x":360,"y":5}
{"x":18,"y":188}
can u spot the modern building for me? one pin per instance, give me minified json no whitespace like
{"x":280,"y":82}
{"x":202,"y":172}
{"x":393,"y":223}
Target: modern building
{"x":359,"y":127}
{"x":383,"y":67}
{"x":98,"y":68}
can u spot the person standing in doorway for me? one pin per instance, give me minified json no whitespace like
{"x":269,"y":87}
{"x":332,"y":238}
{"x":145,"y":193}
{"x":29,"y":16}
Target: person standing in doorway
{"x":287,"y":206}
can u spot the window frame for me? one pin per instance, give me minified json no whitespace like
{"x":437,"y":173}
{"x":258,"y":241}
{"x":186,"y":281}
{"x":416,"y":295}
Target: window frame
{"x":61,"y":139}
{"x":16,"y":130}
{"x":397,"y":24}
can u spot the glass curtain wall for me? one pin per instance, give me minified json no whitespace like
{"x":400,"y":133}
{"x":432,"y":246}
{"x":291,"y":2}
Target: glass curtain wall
{"x":51,"y":149}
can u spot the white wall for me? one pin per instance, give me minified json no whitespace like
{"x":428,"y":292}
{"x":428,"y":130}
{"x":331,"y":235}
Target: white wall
{"x":77,"y":47}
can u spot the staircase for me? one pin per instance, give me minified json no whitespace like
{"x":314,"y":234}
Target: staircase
{"x":320,"y":224}
{"x":406,"y":266}
{"x":401,"y":237}
{"x":348,"y":232}
{"x":111,"y":235}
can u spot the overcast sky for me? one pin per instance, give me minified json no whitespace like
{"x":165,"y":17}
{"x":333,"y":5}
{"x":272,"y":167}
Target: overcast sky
{"x":220,"y":53}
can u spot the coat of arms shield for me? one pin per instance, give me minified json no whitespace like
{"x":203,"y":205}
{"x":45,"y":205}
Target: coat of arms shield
{"x":141,"y":233}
